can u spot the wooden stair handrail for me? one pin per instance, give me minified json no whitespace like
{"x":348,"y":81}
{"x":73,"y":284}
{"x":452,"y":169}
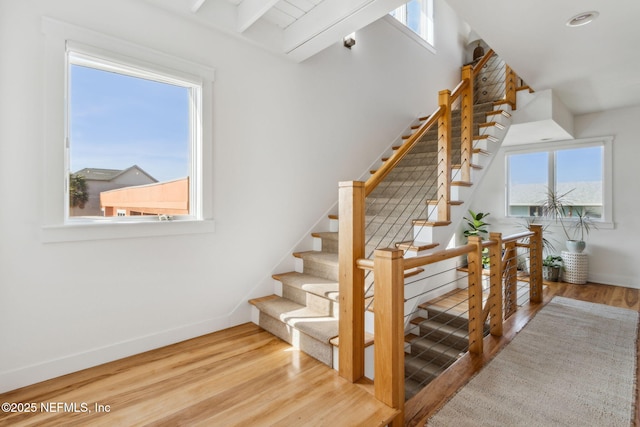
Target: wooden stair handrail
{"x":457,"y":91}
{"x":517,"y":236}
{"x":487,"y":56}
{"x":438,"y":256}
{"x":399,"y":154}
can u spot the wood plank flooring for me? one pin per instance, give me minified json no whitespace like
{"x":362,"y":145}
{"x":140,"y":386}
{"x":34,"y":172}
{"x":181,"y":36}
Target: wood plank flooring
{"x":436,"y":393}
{"x":244,"y":376}
{"x":241,"y":376}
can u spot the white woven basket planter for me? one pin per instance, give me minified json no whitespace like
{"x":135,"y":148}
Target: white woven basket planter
{"x":576,"y":267}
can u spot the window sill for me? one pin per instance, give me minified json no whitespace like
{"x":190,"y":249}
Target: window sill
{"x":510,"y":220}
{"x":86,"y":231}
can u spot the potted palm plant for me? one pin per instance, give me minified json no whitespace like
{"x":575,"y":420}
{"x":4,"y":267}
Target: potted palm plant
{"x":557,"y":208}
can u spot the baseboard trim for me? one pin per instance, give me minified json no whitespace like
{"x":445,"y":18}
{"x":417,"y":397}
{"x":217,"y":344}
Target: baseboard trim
{"x":608,"y":279}
{"x":28,"y":375}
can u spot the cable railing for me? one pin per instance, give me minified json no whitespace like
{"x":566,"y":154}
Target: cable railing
{"x":438,"y":330}
{"x":405,"y":197}
{"x":459,"y":322}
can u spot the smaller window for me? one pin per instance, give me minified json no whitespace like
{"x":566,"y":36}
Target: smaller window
{"x":417,"y":15}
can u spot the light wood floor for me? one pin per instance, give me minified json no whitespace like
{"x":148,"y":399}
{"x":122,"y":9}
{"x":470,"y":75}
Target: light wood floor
{"x":241,"y":376}
{"x":436,"y":393}
{"x":244,"y":376}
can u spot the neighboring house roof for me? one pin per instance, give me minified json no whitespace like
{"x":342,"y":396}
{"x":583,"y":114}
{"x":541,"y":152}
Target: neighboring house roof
{"x":586,"y":193}
{"x":97,"y":174}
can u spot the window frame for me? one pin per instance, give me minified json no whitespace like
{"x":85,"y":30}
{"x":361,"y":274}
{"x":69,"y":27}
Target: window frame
{"x":99,"y":59}
{"x":57,"y":226}
{"x":427,"y":38}
{"x":606,"y":142}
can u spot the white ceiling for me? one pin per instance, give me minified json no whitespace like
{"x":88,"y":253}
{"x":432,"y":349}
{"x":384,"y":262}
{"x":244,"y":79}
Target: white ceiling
{"x":590,"y":68}
{"x":297,"y":29}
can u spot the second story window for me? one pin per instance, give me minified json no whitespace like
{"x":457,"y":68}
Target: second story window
{"x":417,"y":15}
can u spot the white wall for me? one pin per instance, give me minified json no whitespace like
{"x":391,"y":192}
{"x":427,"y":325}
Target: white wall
{"x":612,"y":255}
{"x":284,"y":135}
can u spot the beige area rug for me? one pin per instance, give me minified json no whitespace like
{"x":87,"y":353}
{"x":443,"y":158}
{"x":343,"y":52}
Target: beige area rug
{"x":574,"y":364}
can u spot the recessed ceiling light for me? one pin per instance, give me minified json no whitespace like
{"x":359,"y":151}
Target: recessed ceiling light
{"x":582,"y":19}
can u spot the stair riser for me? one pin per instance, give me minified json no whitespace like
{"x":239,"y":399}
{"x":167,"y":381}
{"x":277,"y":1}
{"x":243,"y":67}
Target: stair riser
{"x":396,"y":234}
{"x":448,"y":318}
{"x":325,"y":306}
{"x":452,"y":340}
{"x":420,"y":375}
{"x":329,"y":245}
{"x":320,"y":269}
{"x":403,"y":189}
{"x":432,"y":356}
{"x":421,"y":175}
{"x":320,"y":351}
{"x":415,"y":207}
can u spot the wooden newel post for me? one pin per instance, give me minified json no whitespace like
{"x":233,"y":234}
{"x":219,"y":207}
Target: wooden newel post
{"x":495,"y":284}
{"x":475,"y":296}
{"x":388,"y":326}
{"x":466,"y":109}
{"x":351,"y":209}
{"x":444,"y":156}
{"x":535,"y":256}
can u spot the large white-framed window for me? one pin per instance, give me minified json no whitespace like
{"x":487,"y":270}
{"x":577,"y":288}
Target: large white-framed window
{"x":416,"y":19}
{"x":133,"y":139}
{"x":128,"y":141}
{"x":581,"y":170}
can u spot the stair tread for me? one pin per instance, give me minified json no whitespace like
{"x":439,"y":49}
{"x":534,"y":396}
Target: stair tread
{"x":451,"y":202}
{"x":368,"y":340}
{"x":411,"y":387}
{"x":329,"y":235}
{"x":425,"y":344}
{"x":320,"y":256}
{"x":492,"y":124}
{"x":447,"y":329}
{"x":425,"y":223}
{"x":481,"y":151}
{"x":315,"y":324}
{"x":485,"y":136}
{"x":499,"y":112}
{"x":309,"y":283}
{"x":421,"y":370}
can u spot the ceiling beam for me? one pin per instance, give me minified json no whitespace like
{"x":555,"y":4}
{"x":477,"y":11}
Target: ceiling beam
{"x":249,"y":11}
{"x":329,"y":22}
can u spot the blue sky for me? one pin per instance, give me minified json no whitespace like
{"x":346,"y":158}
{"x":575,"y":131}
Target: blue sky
{"x":117,"y":121}
{"x":573,"y":165}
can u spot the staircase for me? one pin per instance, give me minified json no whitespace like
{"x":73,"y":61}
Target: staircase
{"x":442,"y":338}
{"x":304,"y":308}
